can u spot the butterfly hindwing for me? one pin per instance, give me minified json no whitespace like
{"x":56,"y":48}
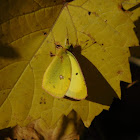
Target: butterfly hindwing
{"x":77,"y":89}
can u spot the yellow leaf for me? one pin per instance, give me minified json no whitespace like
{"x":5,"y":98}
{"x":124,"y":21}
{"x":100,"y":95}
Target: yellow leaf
{"x":28,"y":35}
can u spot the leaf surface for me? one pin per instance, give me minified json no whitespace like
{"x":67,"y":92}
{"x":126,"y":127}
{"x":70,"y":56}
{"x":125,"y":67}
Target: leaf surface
{"x":29,"y":32}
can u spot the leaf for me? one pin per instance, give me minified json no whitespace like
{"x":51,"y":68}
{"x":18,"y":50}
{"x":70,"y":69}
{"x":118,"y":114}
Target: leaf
{"x":29,"y":32}
{"x":134,"y":7}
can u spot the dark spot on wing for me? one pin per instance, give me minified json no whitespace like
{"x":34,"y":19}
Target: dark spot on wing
{"x":69,"y":79}
{"x":89,"y":13}
{"x":76,"y":73}
{"x":45,"y":33}
{"x":53,"y":86}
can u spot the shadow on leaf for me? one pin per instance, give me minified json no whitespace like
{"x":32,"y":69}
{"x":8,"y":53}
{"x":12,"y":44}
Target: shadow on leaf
{"x":99,"y":90}
{"x":134,"y":7}
{"x":123,"y":115}
{"x":7,"y":52}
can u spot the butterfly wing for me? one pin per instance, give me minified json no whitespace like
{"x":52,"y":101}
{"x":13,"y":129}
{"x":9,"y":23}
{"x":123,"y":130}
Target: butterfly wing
{"x":77,"y":89}
{"x":56,"y":80}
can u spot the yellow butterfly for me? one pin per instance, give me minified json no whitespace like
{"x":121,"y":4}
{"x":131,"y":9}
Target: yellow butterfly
{"x":64,"y":77}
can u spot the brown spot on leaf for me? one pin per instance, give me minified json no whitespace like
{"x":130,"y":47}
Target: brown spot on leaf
{"x":67,"y":41}
{"x":45,"y":33}
{"x":51,"y":54}
{"x":61,"y":57}
{"x":58,"y":46}
{"x":43,"y":100}
{"x":119,"y":72}
{"x":95,"y":14}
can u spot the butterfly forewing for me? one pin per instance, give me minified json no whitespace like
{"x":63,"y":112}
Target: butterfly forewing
{"x":56,"y":80}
